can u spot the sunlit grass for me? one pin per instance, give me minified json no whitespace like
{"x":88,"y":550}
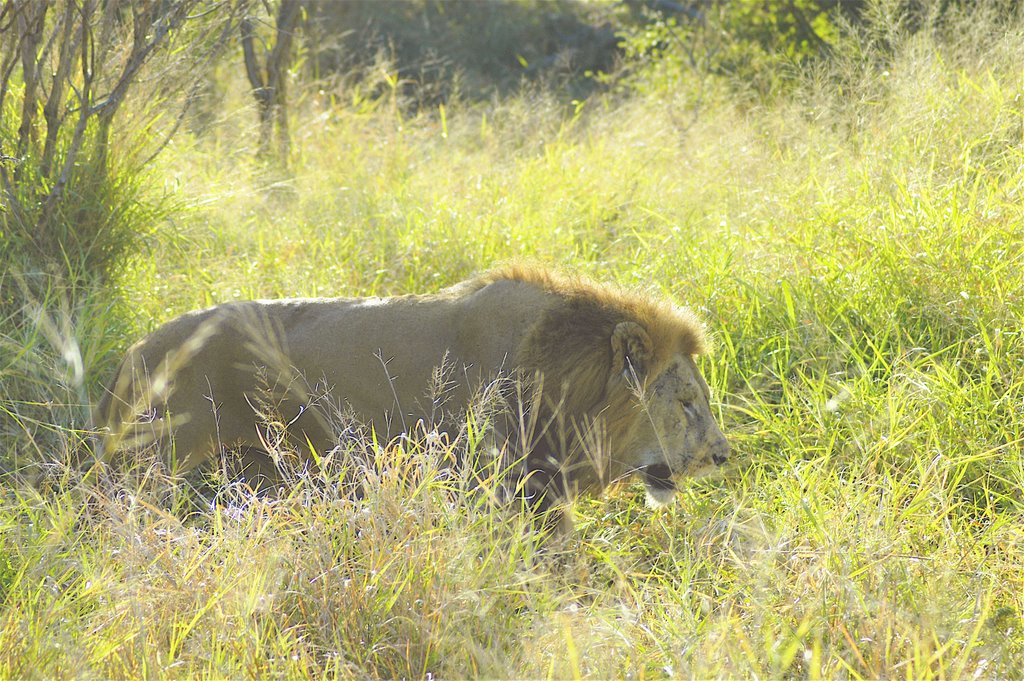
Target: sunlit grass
{"x":855,"y":249}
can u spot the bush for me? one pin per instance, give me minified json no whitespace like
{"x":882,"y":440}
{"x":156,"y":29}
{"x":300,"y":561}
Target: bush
{"x":71,"y":207}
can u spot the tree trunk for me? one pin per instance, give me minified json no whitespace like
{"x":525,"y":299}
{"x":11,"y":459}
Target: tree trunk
{"x":270,"y":91}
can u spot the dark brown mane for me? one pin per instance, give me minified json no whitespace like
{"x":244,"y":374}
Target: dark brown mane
{"x":672,"y":329}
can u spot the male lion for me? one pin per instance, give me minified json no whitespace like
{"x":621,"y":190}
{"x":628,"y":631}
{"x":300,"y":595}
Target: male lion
{"x":606,"y":384}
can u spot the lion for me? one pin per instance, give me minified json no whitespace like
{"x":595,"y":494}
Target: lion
{"x":606,"y":384}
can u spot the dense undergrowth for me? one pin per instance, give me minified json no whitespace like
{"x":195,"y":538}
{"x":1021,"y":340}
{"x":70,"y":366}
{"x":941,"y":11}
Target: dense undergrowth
{"x":854,"y":245}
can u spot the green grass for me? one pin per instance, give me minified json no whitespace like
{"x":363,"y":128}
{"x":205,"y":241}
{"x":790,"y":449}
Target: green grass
{"x":855,"y":248}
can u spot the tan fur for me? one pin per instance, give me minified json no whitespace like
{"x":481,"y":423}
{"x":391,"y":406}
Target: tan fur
{"x":605,"y":374}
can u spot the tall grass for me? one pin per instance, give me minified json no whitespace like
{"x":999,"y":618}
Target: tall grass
{"x":855,"y":249}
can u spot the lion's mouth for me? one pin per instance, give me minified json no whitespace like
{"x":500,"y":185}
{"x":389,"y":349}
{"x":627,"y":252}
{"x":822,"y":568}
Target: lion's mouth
{"x":659,"y":476}
{"x":658,"y":481}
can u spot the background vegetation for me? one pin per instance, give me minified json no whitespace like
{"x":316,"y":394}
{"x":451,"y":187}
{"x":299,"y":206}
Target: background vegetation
{"x":839,"y":196}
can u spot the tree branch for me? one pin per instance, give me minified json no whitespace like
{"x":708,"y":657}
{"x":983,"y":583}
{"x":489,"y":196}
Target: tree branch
{"x":252,"y":69}
{"x":52,"y":113}
{"x":30,"y":29}
{"x":194,"y":88}
{"x":86,"y":12}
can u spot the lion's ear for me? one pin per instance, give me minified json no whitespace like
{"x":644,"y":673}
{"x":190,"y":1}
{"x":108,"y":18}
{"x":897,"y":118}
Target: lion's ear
{"x":632,"y":351}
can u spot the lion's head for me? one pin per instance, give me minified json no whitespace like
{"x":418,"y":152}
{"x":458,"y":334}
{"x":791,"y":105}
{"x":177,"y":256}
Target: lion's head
{"x":677,"y":436}
{"x":631,"y":395}
{"x":668,"y":431}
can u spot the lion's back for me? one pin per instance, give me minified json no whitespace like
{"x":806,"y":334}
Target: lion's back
{"x":496,"y":317}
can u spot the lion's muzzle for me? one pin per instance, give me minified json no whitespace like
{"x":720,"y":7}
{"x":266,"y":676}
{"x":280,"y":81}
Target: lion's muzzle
{"x":659,"y":478}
